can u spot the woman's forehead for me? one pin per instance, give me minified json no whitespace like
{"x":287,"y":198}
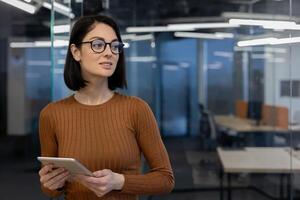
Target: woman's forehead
{"x":102,"y":30}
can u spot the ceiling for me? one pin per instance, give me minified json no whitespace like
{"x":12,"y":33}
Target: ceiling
{"x":142,"y":12}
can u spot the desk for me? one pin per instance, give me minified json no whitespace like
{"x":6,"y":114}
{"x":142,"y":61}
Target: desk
{"x":237,"y":124}
{"x":275,"y":160}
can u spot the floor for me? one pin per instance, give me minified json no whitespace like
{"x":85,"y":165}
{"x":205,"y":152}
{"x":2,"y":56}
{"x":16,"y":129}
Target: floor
{"x":193,"y":168}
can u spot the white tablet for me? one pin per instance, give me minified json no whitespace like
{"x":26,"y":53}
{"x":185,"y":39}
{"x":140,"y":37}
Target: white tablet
{"x":71,"y":164}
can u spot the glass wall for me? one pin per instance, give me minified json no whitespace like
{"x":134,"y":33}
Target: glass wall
{"x":221,"y":77}
{"x":233,"y":87}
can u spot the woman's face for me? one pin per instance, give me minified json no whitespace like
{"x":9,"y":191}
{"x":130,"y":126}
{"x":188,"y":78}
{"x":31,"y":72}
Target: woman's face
{"x":93,"y":64}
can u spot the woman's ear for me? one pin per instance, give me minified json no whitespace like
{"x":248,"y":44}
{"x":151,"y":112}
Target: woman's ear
{"x":75,"y":52}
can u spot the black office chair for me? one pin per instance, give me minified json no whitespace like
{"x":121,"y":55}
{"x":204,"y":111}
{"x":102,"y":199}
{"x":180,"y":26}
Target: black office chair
{"x":208,"y":129}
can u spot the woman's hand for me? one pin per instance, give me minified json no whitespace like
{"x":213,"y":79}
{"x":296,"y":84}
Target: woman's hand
{"x":103,"y":181}
{"x":53,"y":178}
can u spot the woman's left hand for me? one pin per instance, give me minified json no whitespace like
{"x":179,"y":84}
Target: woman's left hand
{"x":103,"y":181}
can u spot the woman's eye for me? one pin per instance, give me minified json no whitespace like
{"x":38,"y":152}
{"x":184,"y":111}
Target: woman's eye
{"x":98,"y":46}
{"x":115,"y":45}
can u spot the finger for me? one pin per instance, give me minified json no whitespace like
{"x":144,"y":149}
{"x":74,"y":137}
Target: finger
{"x":101,"y":173}
{"x":57,"y":180}
{"x":45,"y":169}
{"x":102,"y":181}
{"x":60,"y":183}
{"x":51,"y":174}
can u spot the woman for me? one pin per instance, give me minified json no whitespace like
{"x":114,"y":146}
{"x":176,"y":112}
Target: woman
{"x":104,"y":130}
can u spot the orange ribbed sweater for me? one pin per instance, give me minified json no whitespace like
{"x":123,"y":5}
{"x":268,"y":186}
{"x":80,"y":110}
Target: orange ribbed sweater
{"x":112,"y":136}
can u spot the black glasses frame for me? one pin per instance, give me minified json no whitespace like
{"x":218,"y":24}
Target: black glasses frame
{"x":105,"y":44}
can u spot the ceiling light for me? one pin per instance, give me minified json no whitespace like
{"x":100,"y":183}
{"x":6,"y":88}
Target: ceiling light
{"x":62,"y":28}
{"x":21,"y":44}
{"x":179,"y":27}
{"x":270,"y":24}
{"x":262,"y":16}
{"x":21,"y":5}
{"x":224,"y":35}
{"x":142,"y":29}
{"x":262,"y":41}
{"x":286,"y":40}
{"x":216,"y":35}
{"x":127,"y":36}
{"x":269,"y":41}
{"x":193,"y":26}
{"x":197,"y":35}
{"x":142,"y":37}
{"x":60,"y":8}
{"x":126,"y":44}
{"x":57,"y":43}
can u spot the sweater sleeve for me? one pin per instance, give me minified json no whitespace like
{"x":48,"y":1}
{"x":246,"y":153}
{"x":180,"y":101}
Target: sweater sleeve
{"x":48,"y":142}
{"x":160,"y":178}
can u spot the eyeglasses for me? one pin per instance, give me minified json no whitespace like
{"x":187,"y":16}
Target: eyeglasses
{"x":99,"y":45}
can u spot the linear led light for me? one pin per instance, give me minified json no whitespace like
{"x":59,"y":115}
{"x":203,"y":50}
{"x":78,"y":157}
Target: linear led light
{"x":197,"y":35}
{"x":57,"y":43}
{"x":142,"y":37}
{"x":286,"y":40}
{"x":254,"y":42}
{"x":143,"y":29}
{"x":217,"y":36}
{"x":142,"y":59}
{"x":21,"y":44}
{"x":62,"y":9}
{"x":134,"y":37}
{"x":269,"y":24}
{"x":179,"y":27}
{"x":260,"y":16}
{"x":269,"y":41}
{"x":224,"y":35}
{"x":21,"y":5}
{"x":193,"y":26}
{"x":62,"y":28}
{"x":126,"y":45}
{"x":128,"y":36}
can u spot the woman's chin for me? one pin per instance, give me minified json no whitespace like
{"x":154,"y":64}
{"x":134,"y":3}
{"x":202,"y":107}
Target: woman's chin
{"x":105,"y":74}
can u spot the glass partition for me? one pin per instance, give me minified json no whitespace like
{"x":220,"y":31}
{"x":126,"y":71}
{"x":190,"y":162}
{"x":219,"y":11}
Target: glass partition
{"x":221,"y":77}
{"x":233,"y":89}
{"x":62,"y":16}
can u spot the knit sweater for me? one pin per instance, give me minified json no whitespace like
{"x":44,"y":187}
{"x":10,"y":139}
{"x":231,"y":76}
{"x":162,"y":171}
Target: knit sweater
{"x":112,"y":135}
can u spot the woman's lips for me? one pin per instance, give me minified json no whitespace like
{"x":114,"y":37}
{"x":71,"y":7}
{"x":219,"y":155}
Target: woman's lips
{"x":107,"y":65}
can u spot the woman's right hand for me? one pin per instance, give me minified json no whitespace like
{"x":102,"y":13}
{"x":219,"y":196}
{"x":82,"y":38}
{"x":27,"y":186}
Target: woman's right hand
{"x":53,"y":178}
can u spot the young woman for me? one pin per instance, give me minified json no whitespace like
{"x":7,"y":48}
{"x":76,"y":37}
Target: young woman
{"x":104,"y":130}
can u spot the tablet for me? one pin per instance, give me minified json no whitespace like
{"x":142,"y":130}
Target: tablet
{"x":71,"y":164}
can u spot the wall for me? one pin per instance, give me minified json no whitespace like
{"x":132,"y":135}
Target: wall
{"x":283,"y":64}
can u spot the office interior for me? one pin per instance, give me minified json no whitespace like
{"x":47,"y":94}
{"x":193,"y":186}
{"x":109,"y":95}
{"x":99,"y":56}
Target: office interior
{"x":222,"y":78}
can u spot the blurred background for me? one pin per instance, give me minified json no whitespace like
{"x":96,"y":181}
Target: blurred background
{"x":221,"y":76}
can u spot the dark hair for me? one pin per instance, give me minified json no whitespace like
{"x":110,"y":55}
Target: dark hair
{"x":72,"y":71}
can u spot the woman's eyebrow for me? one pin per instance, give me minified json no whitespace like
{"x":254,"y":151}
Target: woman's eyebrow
{"x":97,"y":37}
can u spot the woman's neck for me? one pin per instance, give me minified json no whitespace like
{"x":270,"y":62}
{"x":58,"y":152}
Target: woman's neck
{"x":94,"y":93}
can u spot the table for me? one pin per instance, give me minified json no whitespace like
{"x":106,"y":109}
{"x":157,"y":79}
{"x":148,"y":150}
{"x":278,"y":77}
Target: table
{"x":237,"y":124}
{"x":275,"y":160}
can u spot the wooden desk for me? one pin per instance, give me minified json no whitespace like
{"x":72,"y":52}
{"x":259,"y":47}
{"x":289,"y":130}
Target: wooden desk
{"x":259,"y":160}
{"x":237,"y":124}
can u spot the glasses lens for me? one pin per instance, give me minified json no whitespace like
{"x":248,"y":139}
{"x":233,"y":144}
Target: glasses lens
{"x":116,"y":47}
{"x":98,"y":45}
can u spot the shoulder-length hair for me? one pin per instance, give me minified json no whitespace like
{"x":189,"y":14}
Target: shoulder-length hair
{"x":72,"y":71}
